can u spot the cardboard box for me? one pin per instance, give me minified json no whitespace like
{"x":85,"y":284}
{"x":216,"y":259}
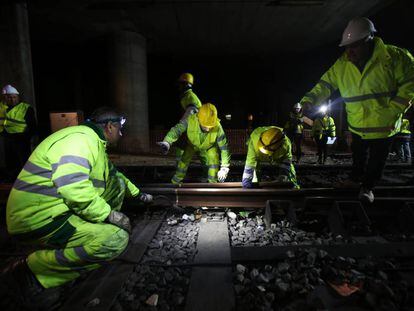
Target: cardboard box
{"x":60,"y":120}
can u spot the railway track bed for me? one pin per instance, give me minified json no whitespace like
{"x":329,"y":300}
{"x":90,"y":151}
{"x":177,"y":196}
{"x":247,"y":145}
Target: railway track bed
{"x":290,"y":250}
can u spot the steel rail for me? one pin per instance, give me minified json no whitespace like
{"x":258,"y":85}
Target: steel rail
{"x":265,"y":184}
{"x":256,"y":198}
{"x":264,"y":165}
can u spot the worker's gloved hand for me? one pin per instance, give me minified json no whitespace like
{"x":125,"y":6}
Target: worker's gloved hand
{"x":222,"y":173}
{"x":145,"y":197}
{"x":301,"y":119}
{"x":165,"y":147}
{"x":247,"y":183}
{"x":120,"y":220}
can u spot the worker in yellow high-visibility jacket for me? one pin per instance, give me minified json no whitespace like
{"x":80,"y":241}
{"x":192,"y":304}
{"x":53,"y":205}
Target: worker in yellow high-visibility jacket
{"x":203,"y":133}
{"x":67,"y":201}
{"x":376,"y":82}
{"x":322,"y":129}
{"x":402,"y":141}
{"x":19,"y":128}
{"x":269,"y":144}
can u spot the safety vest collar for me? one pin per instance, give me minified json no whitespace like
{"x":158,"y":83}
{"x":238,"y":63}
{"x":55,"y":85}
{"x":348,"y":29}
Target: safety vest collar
{"x":380,"y":51}
{"x":99,"y":131}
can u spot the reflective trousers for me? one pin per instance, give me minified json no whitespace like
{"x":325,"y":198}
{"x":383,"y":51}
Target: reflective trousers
{"x":78,"y":245}
{"x":211,"y":157}
{"x":179,"y":151}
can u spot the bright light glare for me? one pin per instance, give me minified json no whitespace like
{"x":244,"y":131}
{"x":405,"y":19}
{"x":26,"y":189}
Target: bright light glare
{"x":323,"y":108}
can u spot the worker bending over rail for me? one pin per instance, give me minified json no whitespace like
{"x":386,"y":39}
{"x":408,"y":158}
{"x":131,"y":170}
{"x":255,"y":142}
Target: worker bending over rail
{"x":204,"y":134}
{"x":269,"y":144}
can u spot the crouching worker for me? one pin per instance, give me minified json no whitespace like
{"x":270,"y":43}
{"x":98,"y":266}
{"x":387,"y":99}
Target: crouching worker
{"x":269,"y":144}
{"x":67,"y":201}
{"x":204,"y":134}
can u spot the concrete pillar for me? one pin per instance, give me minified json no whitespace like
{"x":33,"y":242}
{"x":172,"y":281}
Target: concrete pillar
{"x":15,"y":50}
{"x":15,"y":54}
{"x":128,"y":87}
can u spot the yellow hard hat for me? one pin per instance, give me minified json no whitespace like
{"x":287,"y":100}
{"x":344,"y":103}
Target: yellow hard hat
{"x":270,"y":140}
{"x":207,"y":115}
{"x":186,"y":77}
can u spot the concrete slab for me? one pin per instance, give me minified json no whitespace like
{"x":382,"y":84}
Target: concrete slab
{"x":211,"y":287}
{"x":213,"y":244}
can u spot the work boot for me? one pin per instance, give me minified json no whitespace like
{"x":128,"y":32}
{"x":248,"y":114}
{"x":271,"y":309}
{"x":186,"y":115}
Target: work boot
{"x":366,"y":195}
{"x":24,"y":291}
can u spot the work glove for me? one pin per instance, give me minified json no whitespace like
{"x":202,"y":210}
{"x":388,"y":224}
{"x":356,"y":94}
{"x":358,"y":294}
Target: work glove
{"x":165,"y":147}
{"x":120,"y":220}
{"x":145,"y":197}
{"x":222,"y":173}
{"x":247,"y":183}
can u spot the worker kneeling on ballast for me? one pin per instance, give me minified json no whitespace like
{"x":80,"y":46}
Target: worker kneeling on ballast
{"x":269,"y":144}
{"x":67,"y":201}
{"x":204,"y":134}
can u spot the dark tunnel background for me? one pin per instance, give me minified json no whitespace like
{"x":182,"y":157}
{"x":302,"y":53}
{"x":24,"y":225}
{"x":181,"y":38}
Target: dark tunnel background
{"x":75,"y":76}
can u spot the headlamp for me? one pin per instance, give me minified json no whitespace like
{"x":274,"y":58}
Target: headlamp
{"x":120,"y":120}
{"x":323,"y":109}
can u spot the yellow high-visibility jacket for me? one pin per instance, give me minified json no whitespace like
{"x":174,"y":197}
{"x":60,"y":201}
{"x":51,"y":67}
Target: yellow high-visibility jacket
{"x":282,"y":157}
{"x":324,"y":126}
{"x":295,"y":123}
{"x":15,"y":119}
{"x":375,"y":99}
{"x":189,"y":98}
{"x":405,"y":127}
{"x":66,"y":174}
{"x":3,"y":109}
{"x":200,"y":140}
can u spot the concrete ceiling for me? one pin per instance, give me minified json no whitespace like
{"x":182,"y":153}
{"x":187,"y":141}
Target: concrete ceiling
{"x":200,"y":26}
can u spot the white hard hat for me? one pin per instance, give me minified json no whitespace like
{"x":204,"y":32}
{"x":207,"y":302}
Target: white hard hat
{"x":297,"y":106}
{"x":9,"y":90}
{"x":357,"y":29}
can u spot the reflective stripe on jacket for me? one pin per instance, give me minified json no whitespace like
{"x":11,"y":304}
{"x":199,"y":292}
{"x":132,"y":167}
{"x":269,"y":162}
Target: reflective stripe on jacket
{"x":66,"y":173}
{"x":15,"y":119}
{"x":201,"y":140}
{"x":324,"y":126}
{"x":3,"y":109}
{"x":376,"y":98}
